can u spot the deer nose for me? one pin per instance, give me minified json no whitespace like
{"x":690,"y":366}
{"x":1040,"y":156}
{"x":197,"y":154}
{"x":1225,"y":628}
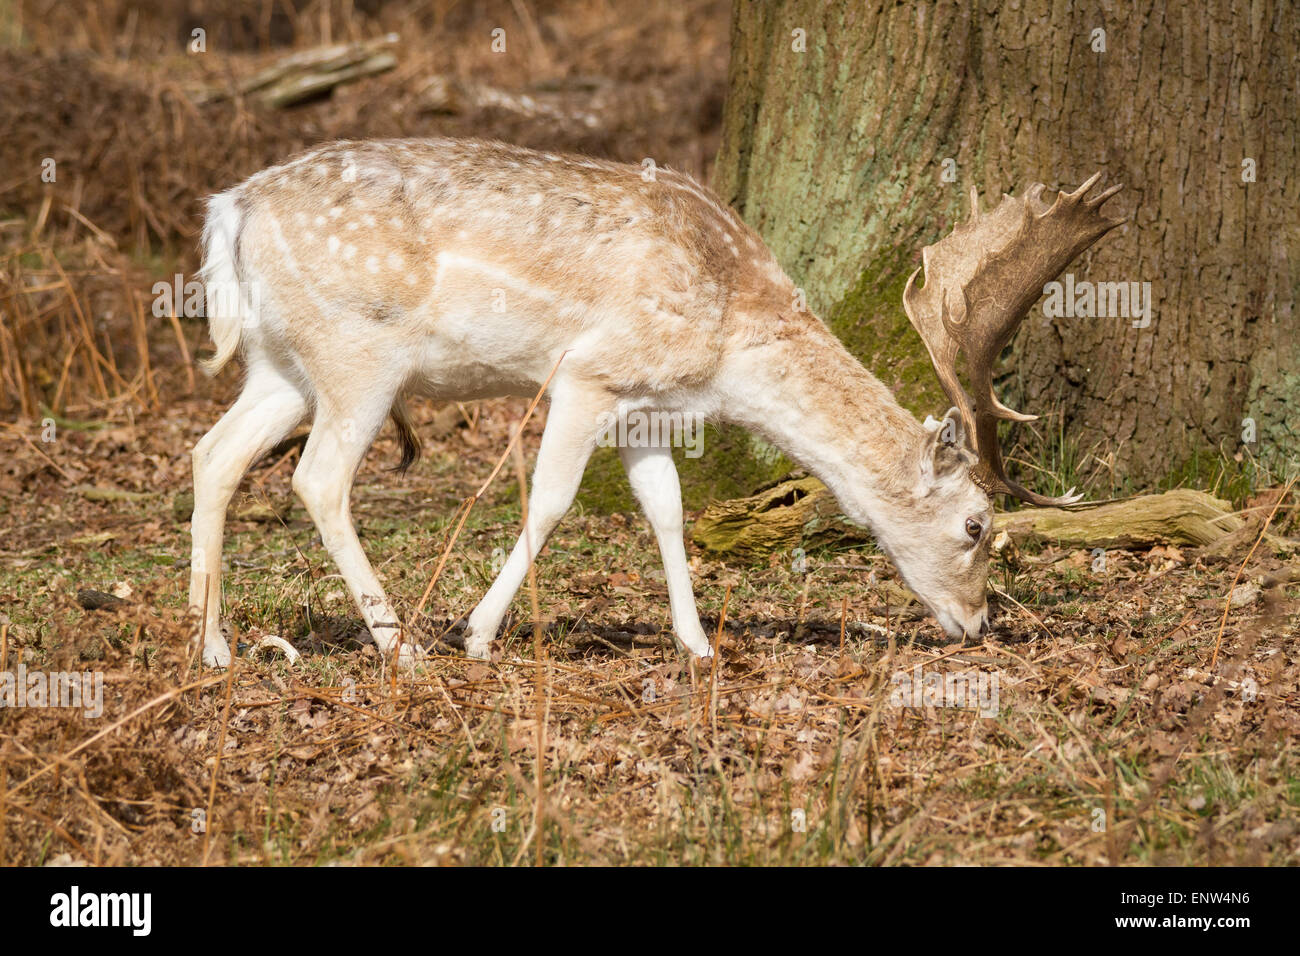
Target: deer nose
{"x":984,"y":625}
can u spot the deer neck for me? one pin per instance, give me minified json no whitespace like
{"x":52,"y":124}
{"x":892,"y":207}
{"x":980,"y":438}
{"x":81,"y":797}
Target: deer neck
{"x":807,"y":395}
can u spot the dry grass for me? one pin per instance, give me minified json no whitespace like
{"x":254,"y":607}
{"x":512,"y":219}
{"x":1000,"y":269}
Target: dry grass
{"x":792,"y":750}
{"x":134,"y":150}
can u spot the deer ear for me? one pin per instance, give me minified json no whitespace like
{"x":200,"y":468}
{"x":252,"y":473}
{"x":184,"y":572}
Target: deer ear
{"x":946,"y":450}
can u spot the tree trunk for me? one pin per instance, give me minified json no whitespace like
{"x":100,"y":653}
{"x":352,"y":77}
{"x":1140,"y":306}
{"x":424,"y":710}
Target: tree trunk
{"x":853,"y":133}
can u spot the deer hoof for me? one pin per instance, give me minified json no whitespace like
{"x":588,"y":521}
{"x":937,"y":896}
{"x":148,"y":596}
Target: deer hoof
{"x":216,"y":653}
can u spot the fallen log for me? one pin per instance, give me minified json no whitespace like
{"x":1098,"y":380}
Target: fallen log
{"x":797,"y":512}
{"x":453,"y":95}
{"x":310,"y":73}
{"x":801,"y":512}
{"x":1179,"y":517}
{"x":243,"y":508}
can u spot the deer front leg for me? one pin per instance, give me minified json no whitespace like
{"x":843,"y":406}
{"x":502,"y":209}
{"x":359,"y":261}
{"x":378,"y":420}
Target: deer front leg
{"x":654,"y":482}
{"x":572,"y":426}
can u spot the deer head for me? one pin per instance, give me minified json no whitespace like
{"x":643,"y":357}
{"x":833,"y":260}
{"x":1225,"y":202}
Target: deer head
{"x":980,"y":282}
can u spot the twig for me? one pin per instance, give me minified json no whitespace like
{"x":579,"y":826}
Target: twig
{"x":62,"y":833}
{"x":53,"y":464}
{"x":1032,"y":616}
{"x":713,"y":670}
{"x":844,"y":621}
{"x":221,"y":743}
{"x":539,"y":686}
{"x":1227,"y":602}
{"x":469,"y":502}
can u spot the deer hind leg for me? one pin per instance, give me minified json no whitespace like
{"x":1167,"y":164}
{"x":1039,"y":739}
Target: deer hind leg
{"x":323,"y":480}
{"x":267,"y":410}
{"x":572,"y":426}
{"x":654,"y":481}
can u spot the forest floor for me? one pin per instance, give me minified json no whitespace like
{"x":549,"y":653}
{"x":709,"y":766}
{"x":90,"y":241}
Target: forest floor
{"x":1133,"y":710}
{"x":1101,"y":731}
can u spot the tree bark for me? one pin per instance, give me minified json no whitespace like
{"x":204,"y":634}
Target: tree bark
{"x":838,"y":155}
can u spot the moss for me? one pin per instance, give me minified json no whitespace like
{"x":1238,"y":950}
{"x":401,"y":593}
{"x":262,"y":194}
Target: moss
{"x":871,"y":322}
{"x":604,"y":487}
{"x":733,"y":464}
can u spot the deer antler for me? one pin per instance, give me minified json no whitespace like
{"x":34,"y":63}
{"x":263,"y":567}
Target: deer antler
{"x":980,"y":282}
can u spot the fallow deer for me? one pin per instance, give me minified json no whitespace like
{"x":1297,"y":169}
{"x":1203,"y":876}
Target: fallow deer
{"x":369,"y":272}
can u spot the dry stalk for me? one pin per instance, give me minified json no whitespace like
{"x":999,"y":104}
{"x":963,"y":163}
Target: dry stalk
{"x":469,"y":502}
{"x":1227,"y":601}
{"x":221,"y":743}
{"x":539,"y":652}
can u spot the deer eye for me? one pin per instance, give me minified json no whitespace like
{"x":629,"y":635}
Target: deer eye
{"x":974,"y":529}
